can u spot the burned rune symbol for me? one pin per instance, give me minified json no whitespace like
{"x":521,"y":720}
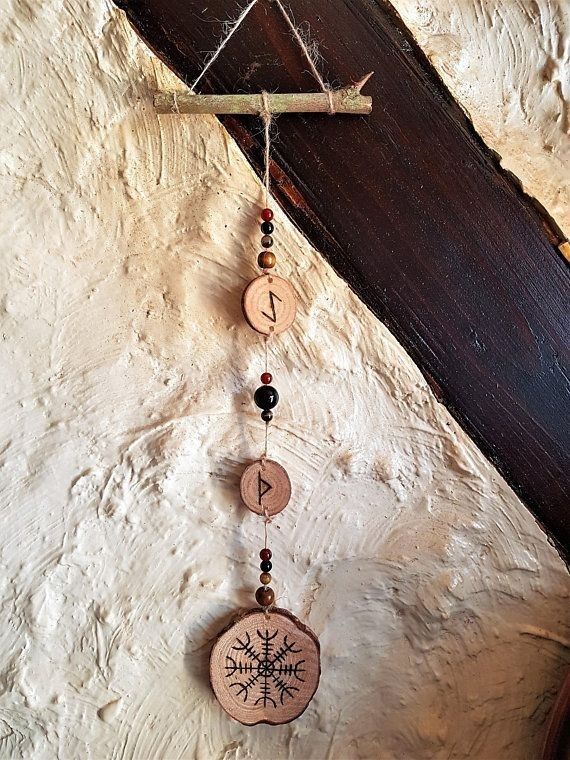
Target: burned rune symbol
{"x":272,"y":299}
{"x":263,"y":672}
{"x":263,"y":487}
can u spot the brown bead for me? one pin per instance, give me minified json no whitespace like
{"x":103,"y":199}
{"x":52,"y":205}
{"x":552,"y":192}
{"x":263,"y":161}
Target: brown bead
{"x":265,"y":578}
{"x":266,"y":260}
{"x":267,"y":241}
{"x":265,"y":596}
{"x":265,"y":554}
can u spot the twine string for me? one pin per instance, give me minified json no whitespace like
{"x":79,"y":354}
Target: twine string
{"x":306,"y":52}
{"x":265,"y":114}
{"x":303,"y":45}
{"x":233,"y":27}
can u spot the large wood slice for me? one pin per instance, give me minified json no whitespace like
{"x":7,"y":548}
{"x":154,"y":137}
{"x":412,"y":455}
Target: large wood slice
{"x":265,"y":667}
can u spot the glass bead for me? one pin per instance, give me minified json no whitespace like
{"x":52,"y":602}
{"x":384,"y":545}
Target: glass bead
{"x":266,"y":378}
{"x":265,"y":554}
{"x":267,"y":214}
{"x":265,"y":566}
{"x":267,"y":241}
{"x":267,"y":228}
{"x":265,"y":578}
{"x":266,"y":397}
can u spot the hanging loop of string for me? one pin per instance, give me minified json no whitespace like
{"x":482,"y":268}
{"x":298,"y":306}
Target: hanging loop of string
{"x":303,"y":45}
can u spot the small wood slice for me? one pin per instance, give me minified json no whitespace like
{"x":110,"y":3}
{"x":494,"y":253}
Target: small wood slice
{"x":265,"y":668}
{"x":265,"y":487}
{"x":269,"y":304}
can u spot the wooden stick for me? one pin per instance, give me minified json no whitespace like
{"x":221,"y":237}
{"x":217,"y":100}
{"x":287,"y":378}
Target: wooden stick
{"x":347,"y":100}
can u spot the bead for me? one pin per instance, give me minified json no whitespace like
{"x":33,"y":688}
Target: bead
{"x":265,"y":554}
{"x":265,"y":566}
{"x":265,"y":596}
{"x":265,"y":578}
{"x":267,"y":228}
{"x":266,"y":260}
{"x":267,"y":241}
{"x":267,"y":415}
{"x":267,"y":214}
{"x":266,"y":378}
{"x":266,"y":397}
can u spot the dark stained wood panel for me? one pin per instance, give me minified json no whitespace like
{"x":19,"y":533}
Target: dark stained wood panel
{"x":415,"y":214}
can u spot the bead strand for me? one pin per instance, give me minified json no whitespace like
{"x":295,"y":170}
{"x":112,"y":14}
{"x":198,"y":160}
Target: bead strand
{"x":266,"y":259}
{"x":265,"y":595}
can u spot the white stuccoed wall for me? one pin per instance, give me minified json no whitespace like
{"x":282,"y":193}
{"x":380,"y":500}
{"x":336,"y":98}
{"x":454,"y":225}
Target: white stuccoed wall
{"x":126,"y":419}
{"x":508,"y":64}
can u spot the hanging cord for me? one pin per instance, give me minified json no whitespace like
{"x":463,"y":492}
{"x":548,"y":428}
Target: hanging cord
{"x":233,"y":27}
{"x":303,"y":44}
{"x":266,"y":118}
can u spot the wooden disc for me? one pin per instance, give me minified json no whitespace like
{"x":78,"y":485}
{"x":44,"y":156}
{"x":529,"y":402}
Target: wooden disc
{"x":265,"y":487}
{"x":269,"y":304}
{"x":265,"y":668}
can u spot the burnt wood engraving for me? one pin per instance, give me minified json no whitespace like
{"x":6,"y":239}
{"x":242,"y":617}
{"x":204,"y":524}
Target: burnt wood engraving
{"x":415,"y":213}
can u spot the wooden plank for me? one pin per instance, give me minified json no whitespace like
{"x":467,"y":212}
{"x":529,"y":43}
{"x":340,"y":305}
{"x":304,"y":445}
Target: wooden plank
{"x":415,"y":213}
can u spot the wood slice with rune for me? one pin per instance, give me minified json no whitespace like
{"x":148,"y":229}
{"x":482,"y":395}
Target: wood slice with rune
{"x":265,"y":667}
{"x":265,"y":487}
{"x":269,"y":304}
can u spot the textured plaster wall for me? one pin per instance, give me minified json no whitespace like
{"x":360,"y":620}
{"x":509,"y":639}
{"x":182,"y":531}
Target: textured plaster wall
{"x":125,"y":422}
{"x":508,"y":64}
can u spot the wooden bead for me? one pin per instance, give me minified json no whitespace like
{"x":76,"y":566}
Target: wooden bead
{"x":266,"y":260}
{"x":265,"y":578}
{"x":265,"y":488}
{"x":269,"y":304}
{"x":265,"y":596}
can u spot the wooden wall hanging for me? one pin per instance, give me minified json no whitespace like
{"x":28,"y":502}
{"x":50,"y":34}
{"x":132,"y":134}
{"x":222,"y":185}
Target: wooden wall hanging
{"x":265,"y":667}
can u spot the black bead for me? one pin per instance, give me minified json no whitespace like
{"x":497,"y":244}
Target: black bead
{"x":267,"y":228}
{"x":267,"y":415}
{"x":266,"y":397}
{"x":266,"y":566}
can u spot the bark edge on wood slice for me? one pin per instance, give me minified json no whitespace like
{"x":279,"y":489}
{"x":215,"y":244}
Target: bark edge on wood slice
{"x":265,"y":667}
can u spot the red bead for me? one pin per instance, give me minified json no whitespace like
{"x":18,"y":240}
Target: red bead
{"x":265,"y":554}
{"x":266,"y":378}
{"x":267,"y":214}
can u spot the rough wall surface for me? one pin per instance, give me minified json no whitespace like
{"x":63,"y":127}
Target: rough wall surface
{"x":508,"y":64}
{"x":126,"y":419}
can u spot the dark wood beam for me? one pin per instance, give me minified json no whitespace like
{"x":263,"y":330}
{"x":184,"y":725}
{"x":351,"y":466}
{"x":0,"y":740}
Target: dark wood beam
{"x":415,"y":213}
